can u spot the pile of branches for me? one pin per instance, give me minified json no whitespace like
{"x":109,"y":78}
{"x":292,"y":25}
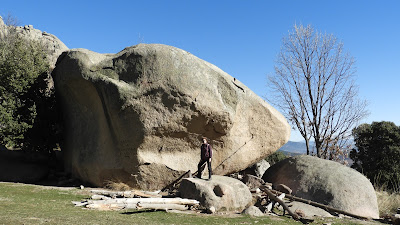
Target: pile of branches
{"x":118,"y":200}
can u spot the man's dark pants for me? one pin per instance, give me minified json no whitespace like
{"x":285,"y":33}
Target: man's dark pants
{"x":200,"y":168}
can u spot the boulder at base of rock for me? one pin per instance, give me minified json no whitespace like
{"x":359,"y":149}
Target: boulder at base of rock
{"x":257,"y":169}
{"x":308,"y":210}
{"x":138,"y":116}
{"x":223,"y":193}
{"x":253,"y":211}
{"x":326,"y":182}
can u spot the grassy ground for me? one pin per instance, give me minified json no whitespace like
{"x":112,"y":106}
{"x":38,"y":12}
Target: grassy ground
{"x":33,"y":204}
{"x":388,"y":202}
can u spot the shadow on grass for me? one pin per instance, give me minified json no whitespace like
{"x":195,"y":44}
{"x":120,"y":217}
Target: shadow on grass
{"x":18,"y":166}
{"x":142,"y":211}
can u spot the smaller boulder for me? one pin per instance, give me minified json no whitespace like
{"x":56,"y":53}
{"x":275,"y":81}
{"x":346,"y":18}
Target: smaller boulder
{"x":221,"y":192}
{"x":257,"y":169}
{"x":253,"y":211}
{"x":307,"y":210}
{"x":252,"y":182}
{"x":326,"y":182}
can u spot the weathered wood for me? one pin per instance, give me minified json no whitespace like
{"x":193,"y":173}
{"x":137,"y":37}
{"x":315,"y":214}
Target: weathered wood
{"x":161,"y":206}
{"x":126,"y":194}
{"x":119,"y":206}
{"x":84,"y":203}
{"x":147,"y":194}
{"x":181,"y":201}
{"x":283,"y":204}
{"x":105,"y":206}
{"x":322,"y":206}
{"x":177,"y":181}
{"x":99,"y":197}
{"x":271,"y":204}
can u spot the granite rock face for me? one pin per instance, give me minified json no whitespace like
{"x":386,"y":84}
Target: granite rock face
{"x":138,"y":116}
{"x":326,"y":182}
{"x":52,"y":44}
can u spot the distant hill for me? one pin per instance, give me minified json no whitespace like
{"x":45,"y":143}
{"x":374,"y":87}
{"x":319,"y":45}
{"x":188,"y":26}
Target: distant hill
{"x":295,"y":147}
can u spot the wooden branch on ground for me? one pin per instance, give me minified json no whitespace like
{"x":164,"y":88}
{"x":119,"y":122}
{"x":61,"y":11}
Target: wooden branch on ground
{"x":162,"y":206}
{"x":271,"y":204}
{"x":119,"y":206}
{"x":177,"y":181}
{"x":100,"y":197}
{"x":283,"y":204}
{"x":139,"y":203}
{"x":126,"y":194}
{"x":180,"y":201}
{"x":319,"y":205}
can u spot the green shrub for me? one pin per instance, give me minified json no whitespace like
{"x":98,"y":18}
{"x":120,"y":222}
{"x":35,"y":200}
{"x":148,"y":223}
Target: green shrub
{"x":275,"y":157}
{"x":27,"y":103}
{"x":377,"y":153}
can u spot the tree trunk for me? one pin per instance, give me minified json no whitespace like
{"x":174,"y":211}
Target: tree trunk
{"x":119,"y":206}
{"x":283,"y":204}
{"x":126,"y":194}
{"x":181,"y":201}
{"x":307,"y":145}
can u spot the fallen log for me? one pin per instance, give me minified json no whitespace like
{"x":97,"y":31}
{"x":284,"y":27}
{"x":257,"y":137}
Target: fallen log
{"x":283,"y":204}
{"x":162,"y":206}
{"x":105,"y":206}
{"x":322,"y":206}
{"x":120,"y":206}
{"x":84,"y":203}
{"x":271,"y":204}
{"x":99,"y":197}
{"x":180,"y":201}
{"x":126,"y":194}
{"x":177,"y":181}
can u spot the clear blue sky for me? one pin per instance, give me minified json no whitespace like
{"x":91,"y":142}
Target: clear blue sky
{"x":240,"y":37}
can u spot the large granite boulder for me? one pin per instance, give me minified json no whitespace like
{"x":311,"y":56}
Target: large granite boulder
{"x":138,"y":116}
{"x":326,"y":182}
{"x":221,"y":192}
{"x":52,"y":44}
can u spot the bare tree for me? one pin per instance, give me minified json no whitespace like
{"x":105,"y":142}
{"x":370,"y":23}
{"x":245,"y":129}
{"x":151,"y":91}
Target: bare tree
{"x":313,"y":86}
{"x":11,"y":20}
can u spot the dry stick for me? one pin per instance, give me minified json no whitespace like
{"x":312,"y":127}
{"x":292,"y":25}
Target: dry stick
{"x":271,"y":204}
{"x":177,"y":181}
{"x":245,"y":143}
{"x":164,"y":207}
{"x":283,"y":204}
{"x":325,"y":207}
{"x":126,"y":194}
{"x":181,"y":201}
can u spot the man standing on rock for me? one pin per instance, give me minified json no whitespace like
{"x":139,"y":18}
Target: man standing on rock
{"x":206,"y":155}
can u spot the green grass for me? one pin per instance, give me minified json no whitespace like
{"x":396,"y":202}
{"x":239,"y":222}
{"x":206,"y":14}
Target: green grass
{"x":31,"y":204}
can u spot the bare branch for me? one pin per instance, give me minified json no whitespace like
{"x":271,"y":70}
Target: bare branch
{"x":314,"y":87}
